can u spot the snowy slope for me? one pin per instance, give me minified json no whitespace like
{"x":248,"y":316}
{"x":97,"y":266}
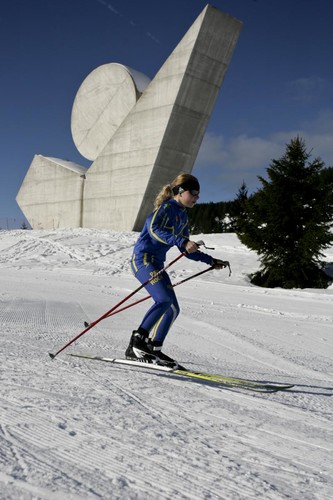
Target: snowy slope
{"x":80,"y":429}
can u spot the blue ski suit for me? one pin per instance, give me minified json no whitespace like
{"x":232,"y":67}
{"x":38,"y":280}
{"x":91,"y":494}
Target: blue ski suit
{"x":166,"y":227}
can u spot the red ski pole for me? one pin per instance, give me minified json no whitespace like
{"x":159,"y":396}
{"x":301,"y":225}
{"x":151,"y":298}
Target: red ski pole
{"x":148,"y":296}
{"x":52,"y":356}
{"x":199,"y":243}
{"x":175,"y":284}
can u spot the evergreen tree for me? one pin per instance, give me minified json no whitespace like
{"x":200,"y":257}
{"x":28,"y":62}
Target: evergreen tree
{"x":238,"y":208}
{"x":288,"y":221}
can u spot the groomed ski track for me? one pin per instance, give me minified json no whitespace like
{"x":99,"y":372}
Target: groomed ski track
{"x":79,"y":430}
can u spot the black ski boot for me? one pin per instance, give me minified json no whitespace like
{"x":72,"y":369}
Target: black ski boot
{"x":163,"y":359}
{"x":138,"y":348}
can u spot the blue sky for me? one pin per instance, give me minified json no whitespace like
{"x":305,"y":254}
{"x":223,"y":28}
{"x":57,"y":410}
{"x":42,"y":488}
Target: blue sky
{"x":279,"y":83}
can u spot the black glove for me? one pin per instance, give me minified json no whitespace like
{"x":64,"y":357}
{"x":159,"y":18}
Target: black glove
{"x":221,"y":264}
{"x":218,"y":264}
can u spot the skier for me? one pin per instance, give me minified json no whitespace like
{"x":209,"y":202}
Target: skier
{"x":166,"y":227}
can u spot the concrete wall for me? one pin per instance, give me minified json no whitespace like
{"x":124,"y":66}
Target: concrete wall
{"x":51,"y":194}
{"x":162,"y":134}
{"x":138,"y":143}
{"x":101,"y":104}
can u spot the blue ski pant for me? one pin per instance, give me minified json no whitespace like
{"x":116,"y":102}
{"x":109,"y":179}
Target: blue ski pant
{"x":159,"y":318}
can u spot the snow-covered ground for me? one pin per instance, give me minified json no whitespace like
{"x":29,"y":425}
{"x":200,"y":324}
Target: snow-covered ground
{"x":81,"y":429}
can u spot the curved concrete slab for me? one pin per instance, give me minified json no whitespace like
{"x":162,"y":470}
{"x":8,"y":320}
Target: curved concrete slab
{"x":102,"y":102}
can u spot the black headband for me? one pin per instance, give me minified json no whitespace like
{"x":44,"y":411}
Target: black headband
{"x":190,"y":185}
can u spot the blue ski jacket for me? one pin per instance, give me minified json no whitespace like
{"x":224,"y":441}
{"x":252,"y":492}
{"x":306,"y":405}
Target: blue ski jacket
{"x":166,"y":227}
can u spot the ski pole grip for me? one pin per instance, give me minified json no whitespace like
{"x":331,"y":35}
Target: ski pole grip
{"x":201,"y":243}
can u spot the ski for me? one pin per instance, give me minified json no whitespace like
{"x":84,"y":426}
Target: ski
{"x":239,"y":383}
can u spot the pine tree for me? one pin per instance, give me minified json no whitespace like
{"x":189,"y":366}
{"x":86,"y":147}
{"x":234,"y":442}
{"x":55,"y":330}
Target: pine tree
{"x":288,"y":221}
{"x":237,"y":207}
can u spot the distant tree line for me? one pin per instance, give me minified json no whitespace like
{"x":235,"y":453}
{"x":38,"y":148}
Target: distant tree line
{"x":220,"y":217}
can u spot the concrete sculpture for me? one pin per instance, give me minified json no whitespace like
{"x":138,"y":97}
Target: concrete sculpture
{"x":139,"y":134}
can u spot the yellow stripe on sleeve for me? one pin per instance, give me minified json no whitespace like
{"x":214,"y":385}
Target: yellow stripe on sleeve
{"x":151,"y":229}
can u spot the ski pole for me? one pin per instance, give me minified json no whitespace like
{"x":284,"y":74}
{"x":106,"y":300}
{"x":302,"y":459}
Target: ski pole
{"x":149,"y":296}
{"x":227,"y":264}
{"x":52,"y":356}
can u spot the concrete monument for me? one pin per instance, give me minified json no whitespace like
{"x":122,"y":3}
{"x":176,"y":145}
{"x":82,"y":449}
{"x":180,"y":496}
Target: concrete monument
{"x":138,"y":133}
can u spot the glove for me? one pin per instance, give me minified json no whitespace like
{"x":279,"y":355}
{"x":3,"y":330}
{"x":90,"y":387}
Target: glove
{"x":220,"y":264}
{"x":190,"y":246}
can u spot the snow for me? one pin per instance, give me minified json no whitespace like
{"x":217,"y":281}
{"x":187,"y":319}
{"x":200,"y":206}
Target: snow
{"x":80,"y":429}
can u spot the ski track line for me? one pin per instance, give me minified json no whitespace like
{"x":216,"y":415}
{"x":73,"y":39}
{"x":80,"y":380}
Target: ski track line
{"x":183,"y":423}
{"x":231,"y":312}
{"x":297,"y":419}
{"x":40,"y":316}
{"x":38,"y":463}
{"x":293,"y":424}
{"x":186,"y":472}
{"x":318,"y":295}
{"x":214,"y":466}
{"x":294,"y":315}
{"x":319,"y":412}
{"x":301,"y":447}
{"x":37,"y":491}
{"x":256,"y":309}
{"x":13,"y":450}
{"x":60,"y":455}
{"x":214,"y":302}
{"x":275,"y":457}
{"x":278,"y":461}
{"x":205,"y":329}
{"x":109,"y":383}
{"x":289,"y":317}
{"x":284,"y":402}
{"x":159,"y":467}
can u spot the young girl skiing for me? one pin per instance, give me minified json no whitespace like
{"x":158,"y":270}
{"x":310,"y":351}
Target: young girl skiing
{"x":166,"y":227}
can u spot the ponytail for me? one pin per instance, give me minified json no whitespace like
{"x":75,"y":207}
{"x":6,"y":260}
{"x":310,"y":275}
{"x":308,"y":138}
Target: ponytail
{"x":165,"y":194}
{"x":169,"y":190}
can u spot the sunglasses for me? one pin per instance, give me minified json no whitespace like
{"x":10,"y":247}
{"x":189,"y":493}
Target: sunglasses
{"x":193,"y":192}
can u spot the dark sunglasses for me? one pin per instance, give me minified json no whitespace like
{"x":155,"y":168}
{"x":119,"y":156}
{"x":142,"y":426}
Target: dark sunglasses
{"x":194,"y":192}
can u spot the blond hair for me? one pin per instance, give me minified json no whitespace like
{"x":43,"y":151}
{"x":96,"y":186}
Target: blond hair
{"x":166,"y":192}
